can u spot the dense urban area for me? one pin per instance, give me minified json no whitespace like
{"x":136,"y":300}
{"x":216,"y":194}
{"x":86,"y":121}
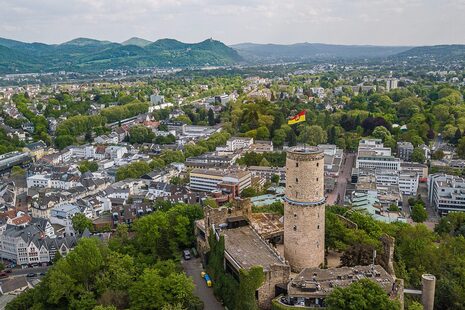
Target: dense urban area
{"x":337,"y":184}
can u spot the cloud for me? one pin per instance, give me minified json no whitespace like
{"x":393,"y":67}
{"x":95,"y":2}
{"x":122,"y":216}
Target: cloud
{"x":388,"y":22}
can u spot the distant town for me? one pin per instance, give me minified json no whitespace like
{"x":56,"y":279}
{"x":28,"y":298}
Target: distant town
{"x":192,"y":189}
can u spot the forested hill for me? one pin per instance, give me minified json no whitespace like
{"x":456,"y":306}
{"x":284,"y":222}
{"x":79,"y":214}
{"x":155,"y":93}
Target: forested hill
{"x":315,"y":51}
{"x":437,"y":52}
{"x":306,"y":51}
{"x":84,"y":54}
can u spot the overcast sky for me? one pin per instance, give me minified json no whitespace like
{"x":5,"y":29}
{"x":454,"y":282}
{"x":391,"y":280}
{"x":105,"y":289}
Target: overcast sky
{"x":377,"y":22}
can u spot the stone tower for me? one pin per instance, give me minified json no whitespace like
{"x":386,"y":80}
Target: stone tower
{"x":304,"y":208}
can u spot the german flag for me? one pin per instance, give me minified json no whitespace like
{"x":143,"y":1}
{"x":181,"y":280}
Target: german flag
{"x":297,"y":119}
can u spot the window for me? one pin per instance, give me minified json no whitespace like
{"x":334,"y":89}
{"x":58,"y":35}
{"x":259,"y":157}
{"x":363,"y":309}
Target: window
{"x":295,"y":228}
{"x":317,"y":164}
{"x":297,"y":165}
{"x":296,"y":180}
{"x":318,"y":227}
{"x":295,"y":215}
{"x":317,"y":179}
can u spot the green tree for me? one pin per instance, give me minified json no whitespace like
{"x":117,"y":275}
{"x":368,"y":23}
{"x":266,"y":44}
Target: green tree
{"x":275,"y":178}
{"x":461,"y":148}
{"x":81,"y":222}
{"x":419,"y":214}
{"x":17,"y":171}
{"x":263,"y":133}
{"x":361,"y":295}
{"x":86,"y":165}
{"x":312,"y":135}
{"x":381,"y":132}
{"x":415,"y":306}
{"x":211,"y":117}
{"x":279,"y":137}
{"x":140,"y":134}
{"x":418,"y":155}
{"x":152,"y":291}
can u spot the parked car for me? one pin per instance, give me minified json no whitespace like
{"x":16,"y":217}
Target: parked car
{"x":31,"y":275}
{"x":3,"y":275}
{"x":42,"y":273}
{"x":207,"y":278}
{"x":186,"y":254}
{"x":7,"y":270}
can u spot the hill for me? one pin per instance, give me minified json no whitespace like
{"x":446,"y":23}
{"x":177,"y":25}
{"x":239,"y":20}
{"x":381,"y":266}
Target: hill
{"x":437,"y":52}
{"x":137,"y":42}
{"x":83,"y":54}
{"x":307,"y":51}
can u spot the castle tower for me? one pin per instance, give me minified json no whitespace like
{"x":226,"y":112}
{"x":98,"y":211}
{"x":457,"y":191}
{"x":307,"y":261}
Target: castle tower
{"x":304,"y":208}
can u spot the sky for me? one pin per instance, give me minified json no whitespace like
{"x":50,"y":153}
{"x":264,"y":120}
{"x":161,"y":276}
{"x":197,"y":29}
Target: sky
{"x":374,"y":22}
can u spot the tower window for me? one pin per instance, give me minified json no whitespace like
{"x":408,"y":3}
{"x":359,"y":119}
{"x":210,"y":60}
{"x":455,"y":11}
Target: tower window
{"x":317,"y":179}
{"x":317,"y":164}
{"x":318,"y":227}
{"x":295,"y":228}
{"x":296,"y":180}
{"x":295,"y":215}
{"x":296,"y":165}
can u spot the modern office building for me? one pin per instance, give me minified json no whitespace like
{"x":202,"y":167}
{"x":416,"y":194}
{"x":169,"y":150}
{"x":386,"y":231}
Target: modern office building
{"x":446,"y":193}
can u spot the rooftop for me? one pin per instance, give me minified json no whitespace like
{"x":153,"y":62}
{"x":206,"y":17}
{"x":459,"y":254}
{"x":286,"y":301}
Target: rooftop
{"x":248,"y":249}
{"x":315,"y":282}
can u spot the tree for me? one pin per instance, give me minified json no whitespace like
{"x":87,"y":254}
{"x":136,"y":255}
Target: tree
{"x":211,"y":117}
{"x":461,"y":148}
{"x":419,"y":214}
{"x":86,"y":165}
{"x":264,"y":163}
{"x":279,"y":137}
{"x":275,"y":178}
{"x":361,"y":295}
{"x":438,"y":155}
{"x":140,"y":134}
{"x":358,"y":255}
{"x":418,"y":155}
{"x":81,"y":222}
{"x":312,"y":135}
{"x":262,"y":133}
{"x":292,"y":138}
{"x":415,"y":306}
{"x":17,"y":171}
{"x":381,"y":132}
{"x":152,"y":291}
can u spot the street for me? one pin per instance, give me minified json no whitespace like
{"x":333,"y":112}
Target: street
{"x":17,"y":272}
{"x":338,"y":194}
{"x":193,"y":268}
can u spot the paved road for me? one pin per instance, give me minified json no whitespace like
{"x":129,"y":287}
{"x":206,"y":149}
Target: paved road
{"x":193,"y":268}
{"x":337,"y":195}
{"x":16,"y":272}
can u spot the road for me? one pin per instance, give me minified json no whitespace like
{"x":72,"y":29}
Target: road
{"x":337,"y":195}
{"x":193,"y":268}
{"x":17,"y":272}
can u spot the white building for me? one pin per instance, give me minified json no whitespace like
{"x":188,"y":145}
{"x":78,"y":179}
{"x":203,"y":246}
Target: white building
{"x":391,"y":84}
{"x":116,"y":152}
{"x":208,"y":180}
{"x":446,"y":193}
{"x":373,"y":155}
{"x":86,"y":151}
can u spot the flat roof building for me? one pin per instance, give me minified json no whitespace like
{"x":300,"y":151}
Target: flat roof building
{"x":446,"y":193}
